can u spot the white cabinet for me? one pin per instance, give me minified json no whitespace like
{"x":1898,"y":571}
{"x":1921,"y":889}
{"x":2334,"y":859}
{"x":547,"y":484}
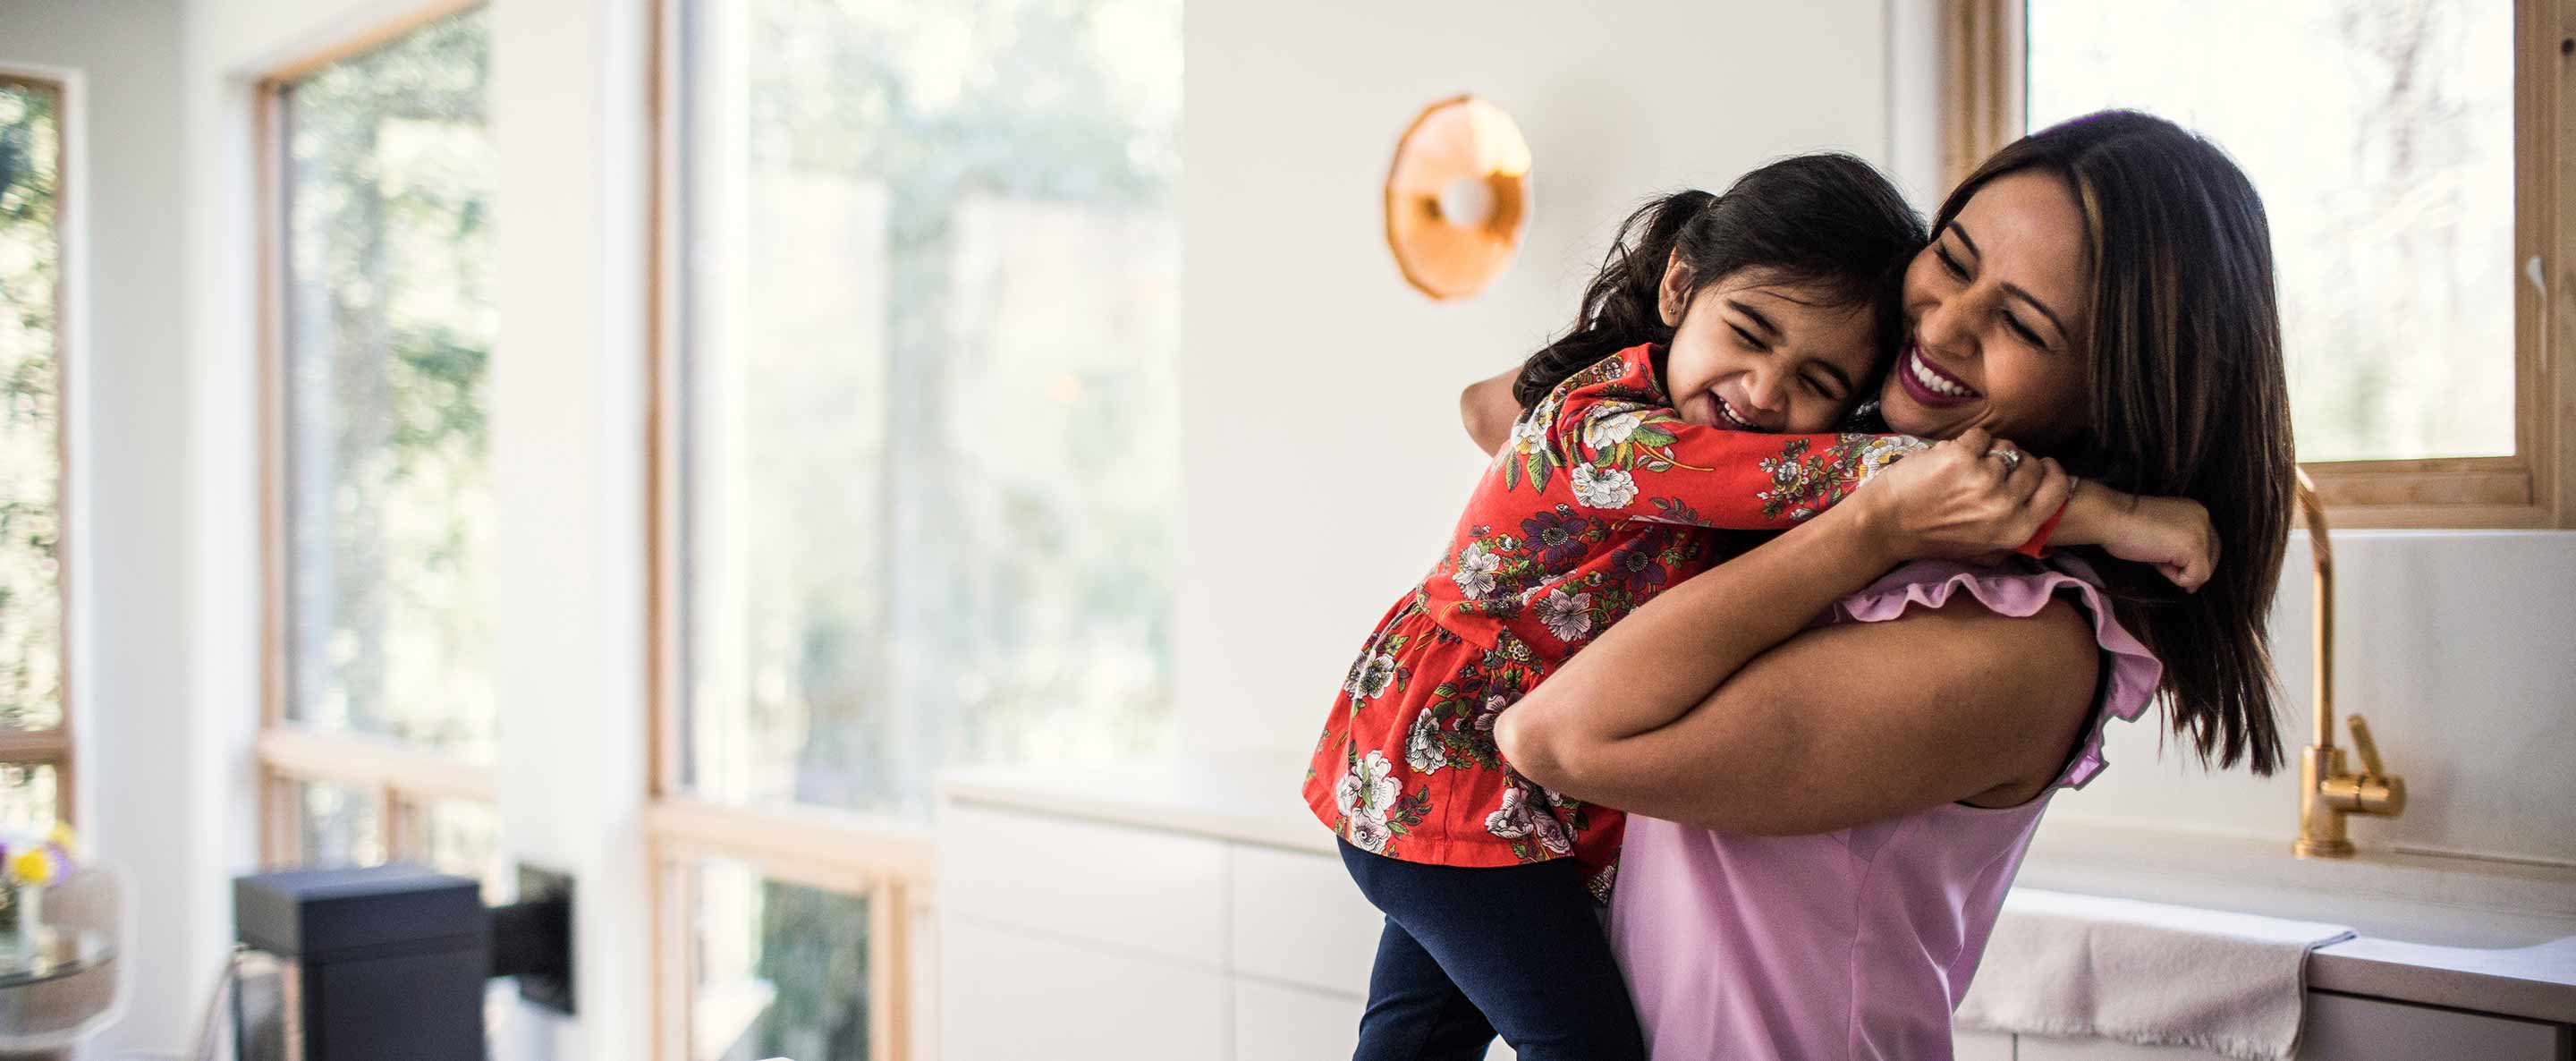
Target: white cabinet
{"x":1123,"y":888}
{"x":1010,"y":995}
{"x":2347,"y":1028}
{"x":1298,"y":918}
{"x":1072,"y":940}
{"x":1076,"y":940}
{"x":1273,"y":1022}
{"x":2350,"y":1028}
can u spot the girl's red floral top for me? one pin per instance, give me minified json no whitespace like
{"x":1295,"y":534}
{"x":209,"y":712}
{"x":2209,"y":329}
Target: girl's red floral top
{"x":1603,"y":498}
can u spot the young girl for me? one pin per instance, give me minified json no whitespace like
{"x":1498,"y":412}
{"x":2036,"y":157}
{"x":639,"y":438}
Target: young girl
{"x":1723,"y":334}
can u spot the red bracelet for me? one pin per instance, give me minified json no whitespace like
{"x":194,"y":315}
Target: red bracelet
{"x":2037,"y":546}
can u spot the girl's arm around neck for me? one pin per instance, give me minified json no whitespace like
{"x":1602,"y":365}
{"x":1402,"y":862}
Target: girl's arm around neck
{"x":1693,"y":709}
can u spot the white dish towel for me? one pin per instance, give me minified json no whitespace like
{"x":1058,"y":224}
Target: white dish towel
{"x":2082,"y":965}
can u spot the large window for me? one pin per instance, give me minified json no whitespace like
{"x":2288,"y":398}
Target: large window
{"x":919,"y":457}
{"x":380,"y":172}
{"x":2389,"y":187}
{"x":927,"y":395}
{"x":2404,"y":158}
{"x":35,"y":745}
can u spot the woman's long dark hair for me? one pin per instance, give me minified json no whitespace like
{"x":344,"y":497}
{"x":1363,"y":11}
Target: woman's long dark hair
{"x":1825,"y":221}
{"x":2189,"y":397}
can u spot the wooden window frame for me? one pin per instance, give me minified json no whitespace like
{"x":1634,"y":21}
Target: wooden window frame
{"x":1984,"y":44}
{"x":402,"y":781}
{"x":54,"y":746}
{"x":889,"y":863}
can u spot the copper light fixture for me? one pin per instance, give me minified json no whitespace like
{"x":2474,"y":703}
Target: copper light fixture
{"x":1457,"y":197}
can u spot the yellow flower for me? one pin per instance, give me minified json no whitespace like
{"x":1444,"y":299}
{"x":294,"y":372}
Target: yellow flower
{"x":32,"y":867}
{"x":61,"y":837}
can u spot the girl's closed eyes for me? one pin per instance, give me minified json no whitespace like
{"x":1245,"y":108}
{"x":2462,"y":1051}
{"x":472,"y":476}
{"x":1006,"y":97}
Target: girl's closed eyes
{"x":1757,"y":353}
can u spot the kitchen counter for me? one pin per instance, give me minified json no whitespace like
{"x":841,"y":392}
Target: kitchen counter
{"x":2382,"y":896}
{"x":1245,"y":806}
{"x":2537,"y":982}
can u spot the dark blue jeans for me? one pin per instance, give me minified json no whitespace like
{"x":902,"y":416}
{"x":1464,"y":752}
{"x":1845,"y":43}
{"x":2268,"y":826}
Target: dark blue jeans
{"x":1468,"y":953}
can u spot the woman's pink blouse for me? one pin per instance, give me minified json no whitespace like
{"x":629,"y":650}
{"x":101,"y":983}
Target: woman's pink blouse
{"x":1853,"y":944}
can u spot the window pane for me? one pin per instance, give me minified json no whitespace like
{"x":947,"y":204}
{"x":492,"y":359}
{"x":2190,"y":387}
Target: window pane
{"x":338,"y":826}
{"x":782,"y":969}
{"x":389,"y":325}
{"x":30,"y":409}
{"x":2380,"y":133}
{"x":929,"y":402}
{"x":464,"y":839}
{"x":28,"y":795}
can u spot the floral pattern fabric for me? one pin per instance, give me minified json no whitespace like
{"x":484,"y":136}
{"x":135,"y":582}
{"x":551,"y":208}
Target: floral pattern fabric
{"x":1602,"y":498}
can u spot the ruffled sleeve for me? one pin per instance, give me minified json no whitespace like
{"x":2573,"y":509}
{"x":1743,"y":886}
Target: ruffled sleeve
{"x":2020,"y":591}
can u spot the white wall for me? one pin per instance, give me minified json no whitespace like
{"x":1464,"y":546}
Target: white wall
{"x":1323,"y":464}
{"x":569,"y":118}
{"x":2457,"y":647}
{"x":127,"y":369}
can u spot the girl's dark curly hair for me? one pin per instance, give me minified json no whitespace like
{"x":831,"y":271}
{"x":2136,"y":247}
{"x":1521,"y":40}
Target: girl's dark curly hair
{"x":1826,"y":221}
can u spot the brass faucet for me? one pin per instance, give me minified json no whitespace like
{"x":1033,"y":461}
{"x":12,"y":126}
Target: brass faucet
{"x":2326,"y":793}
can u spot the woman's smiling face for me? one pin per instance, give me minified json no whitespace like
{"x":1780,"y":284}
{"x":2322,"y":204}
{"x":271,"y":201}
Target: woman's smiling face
{"x":2000,"y":308}
{"x":1756,"y":355}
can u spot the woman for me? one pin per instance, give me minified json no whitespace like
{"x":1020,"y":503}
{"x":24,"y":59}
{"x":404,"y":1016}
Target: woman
{"x":1826,"y":818}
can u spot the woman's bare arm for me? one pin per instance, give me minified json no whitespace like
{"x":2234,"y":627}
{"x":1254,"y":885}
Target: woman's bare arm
{"x":1640,"y":721}
{"x":1840,"y":726}
{"x":1488,"y":408}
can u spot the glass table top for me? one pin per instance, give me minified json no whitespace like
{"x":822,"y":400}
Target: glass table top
{"x":54,"y":953}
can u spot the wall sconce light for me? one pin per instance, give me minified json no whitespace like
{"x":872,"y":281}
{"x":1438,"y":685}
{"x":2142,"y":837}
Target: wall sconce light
{"x":1457,"y":197}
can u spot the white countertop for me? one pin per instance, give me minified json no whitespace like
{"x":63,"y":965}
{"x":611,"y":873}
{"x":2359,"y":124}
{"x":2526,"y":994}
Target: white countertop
{"x":2384,"y":896}
{"x":1252,"y":806}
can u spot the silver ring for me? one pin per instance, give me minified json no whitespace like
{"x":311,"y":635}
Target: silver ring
{"x":2011,"y":457}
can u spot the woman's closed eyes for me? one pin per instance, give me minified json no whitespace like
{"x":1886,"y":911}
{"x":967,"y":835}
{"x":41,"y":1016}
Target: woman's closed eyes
{"x":1958,"y":270}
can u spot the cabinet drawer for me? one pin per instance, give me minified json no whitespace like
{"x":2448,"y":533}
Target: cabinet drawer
{"x":1298,"y":918}
{"x":1279,"y":1023}
{"x":1131,"y":889}
{"x":2351,"y":1028}
{"x":1009,"y":996}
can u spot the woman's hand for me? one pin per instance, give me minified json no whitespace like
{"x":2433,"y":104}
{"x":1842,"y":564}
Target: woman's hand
{"x":2173,"y":534}
{"x":1962,"y":499}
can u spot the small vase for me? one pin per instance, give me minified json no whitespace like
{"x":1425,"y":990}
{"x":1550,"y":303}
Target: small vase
{"x":31,"y":913}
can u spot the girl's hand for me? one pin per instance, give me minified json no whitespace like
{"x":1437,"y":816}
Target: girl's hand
{"x":2172,"y":533}
{"x":1961,"y":499}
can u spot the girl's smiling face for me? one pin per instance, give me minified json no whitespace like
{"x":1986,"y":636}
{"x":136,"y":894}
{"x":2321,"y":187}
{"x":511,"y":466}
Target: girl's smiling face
{"x":1754,"y":354}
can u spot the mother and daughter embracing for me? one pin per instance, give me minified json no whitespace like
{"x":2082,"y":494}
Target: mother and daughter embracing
{"x":1765,"y":630}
